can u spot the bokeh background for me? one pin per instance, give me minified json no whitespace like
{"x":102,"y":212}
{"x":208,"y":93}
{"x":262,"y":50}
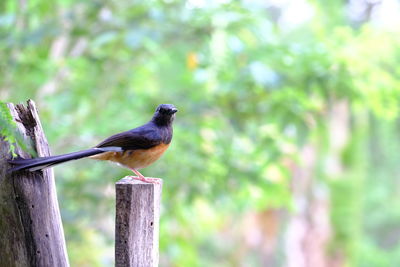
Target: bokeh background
{"x":286,"y":146}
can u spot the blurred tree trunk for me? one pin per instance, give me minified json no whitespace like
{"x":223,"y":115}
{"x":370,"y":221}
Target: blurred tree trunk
{"x":309,"y":229}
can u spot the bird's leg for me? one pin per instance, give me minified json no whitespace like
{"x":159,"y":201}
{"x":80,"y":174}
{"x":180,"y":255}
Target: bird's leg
{"x":140,"y":177}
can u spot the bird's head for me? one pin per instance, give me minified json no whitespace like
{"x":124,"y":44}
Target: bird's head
{"x":165,"y":114}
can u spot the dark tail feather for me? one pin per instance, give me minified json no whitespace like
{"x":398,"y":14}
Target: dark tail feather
{"x":45,"y":162}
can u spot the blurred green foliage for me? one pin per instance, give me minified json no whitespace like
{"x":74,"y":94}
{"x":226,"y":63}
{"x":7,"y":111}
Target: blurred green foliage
{"x":7,"y":126}
{"x":251,"y":91}
{"x":8,"y":130}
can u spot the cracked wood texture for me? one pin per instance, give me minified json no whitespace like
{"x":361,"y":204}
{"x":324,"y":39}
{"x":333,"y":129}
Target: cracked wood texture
{"x":137,"y":223}
{"x":31,"y":232}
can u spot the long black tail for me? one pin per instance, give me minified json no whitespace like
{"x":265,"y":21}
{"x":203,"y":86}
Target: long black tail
{"x":45,"y":162}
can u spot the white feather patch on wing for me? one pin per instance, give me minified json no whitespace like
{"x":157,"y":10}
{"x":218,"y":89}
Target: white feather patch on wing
{"x":39,"y":167}
{"x":109,"y":148}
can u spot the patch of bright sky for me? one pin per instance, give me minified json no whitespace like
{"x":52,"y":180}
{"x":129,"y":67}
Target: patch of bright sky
{"x":206,"y":3}
{"x":386,"y":13}
{"x":294,"y":12}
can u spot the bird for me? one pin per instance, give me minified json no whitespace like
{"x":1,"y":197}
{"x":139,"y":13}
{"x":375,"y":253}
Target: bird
{"x":134,"y":149}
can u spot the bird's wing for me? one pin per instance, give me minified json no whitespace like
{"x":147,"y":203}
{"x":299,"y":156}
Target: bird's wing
{"x":139,"y":138}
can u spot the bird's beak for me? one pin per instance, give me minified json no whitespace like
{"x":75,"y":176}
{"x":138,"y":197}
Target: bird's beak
{"x":174,"y":110}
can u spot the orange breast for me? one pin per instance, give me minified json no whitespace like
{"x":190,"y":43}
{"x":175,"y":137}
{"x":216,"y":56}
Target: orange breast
{"x":136,"y":159}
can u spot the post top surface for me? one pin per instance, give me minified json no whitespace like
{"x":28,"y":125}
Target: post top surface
{"x":129,"y":180}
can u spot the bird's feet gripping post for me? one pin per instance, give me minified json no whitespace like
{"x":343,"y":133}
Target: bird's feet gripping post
{"x":140,"y":177}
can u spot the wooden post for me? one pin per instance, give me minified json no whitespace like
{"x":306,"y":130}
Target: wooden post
{"x":31,"y":232}
{"x":137,"y":223}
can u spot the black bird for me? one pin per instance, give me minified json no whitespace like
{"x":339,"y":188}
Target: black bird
{"x":134,"y":149}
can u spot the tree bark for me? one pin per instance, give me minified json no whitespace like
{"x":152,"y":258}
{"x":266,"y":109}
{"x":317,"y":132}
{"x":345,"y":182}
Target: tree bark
{"x":31,"y":232}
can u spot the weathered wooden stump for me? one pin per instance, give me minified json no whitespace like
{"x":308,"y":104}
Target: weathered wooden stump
{"x":31,"y":232}
{"x":137,"y":223}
